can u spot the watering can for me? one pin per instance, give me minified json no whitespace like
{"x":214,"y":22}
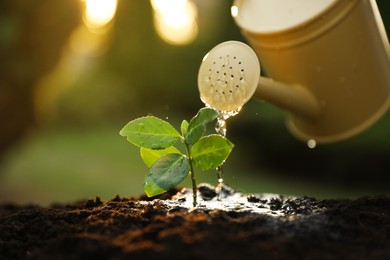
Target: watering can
{"x":326,"y":61}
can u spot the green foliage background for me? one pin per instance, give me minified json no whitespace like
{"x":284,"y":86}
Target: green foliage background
{"x":77,"y":153}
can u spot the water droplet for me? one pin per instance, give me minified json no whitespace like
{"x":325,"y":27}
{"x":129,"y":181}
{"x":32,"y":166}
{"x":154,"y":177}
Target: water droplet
{"x":311,"y":143}
{"x":220,"y":127}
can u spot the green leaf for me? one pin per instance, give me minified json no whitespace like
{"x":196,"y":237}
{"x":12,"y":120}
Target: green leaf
{"x":150,"y":132}
{"x":150,"y":156}
{"x":184,"y":127}
{"x":197,"y":125}
{"x":211,"y":151}
{"x":166,"y":173}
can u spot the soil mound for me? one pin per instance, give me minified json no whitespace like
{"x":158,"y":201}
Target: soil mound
{"x":260,"y":226}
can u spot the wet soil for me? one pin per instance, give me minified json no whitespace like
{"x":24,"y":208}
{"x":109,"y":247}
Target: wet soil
{"x":241,"y":226}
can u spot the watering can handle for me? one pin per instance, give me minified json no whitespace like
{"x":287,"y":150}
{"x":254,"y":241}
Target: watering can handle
{"x":293,"y":98}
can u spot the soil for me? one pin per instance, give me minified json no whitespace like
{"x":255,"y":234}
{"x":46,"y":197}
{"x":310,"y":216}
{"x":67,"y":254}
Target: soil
{"x":240,"y":226}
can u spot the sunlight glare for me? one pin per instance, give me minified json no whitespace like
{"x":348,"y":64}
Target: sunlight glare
{"x":175,"y":20}
{"x":99,"y":13}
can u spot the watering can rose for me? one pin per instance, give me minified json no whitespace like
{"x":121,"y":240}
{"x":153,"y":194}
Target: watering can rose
{"x":228,"y":76}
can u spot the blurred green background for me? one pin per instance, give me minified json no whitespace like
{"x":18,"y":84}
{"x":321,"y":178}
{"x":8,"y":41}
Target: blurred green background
{"x":72,"y":75}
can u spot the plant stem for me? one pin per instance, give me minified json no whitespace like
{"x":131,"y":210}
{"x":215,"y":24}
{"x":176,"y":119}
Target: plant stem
{"x":192,"y":173}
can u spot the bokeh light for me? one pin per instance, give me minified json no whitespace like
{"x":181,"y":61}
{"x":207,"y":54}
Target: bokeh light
{"x":175,"y":20}
{"x":99,"y":13}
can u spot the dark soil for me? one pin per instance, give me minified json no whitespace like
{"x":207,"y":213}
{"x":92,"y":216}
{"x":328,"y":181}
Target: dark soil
{"x":242,"y":226}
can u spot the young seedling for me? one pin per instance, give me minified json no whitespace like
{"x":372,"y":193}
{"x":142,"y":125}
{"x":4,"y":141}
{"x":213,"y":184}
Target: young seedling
{"x":168,"y":166}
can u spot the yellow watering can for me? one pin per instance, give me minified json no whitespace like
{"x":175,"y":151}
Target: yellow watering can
{"x":327,"y":62}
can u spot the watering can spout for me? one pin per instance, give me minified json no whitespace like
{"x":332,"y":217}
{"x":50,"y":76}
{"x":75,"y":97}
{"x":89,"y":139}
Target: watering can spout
{"x":293,"y":98}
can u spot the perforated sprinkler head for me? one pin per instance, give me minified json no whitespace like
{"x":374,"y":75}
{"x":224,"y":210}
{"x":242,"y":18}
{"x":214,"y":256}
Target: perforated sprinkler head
{"x":228,"y":76}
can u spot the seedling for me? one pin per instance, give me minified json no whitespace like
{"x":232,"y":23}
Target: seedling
{"x":168,"y":166}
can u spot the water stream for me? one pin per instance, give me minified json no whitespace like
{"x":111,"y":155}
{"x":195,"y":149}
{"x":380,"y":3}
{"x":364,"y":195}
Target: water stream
{"x":221,"y":129}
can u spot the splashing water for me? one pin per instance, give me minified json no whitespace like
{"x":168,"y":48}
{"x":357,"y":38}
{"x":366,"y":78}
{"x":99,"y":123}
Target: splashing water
{"x":227,"y":79}
{"x":220,"y":127}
